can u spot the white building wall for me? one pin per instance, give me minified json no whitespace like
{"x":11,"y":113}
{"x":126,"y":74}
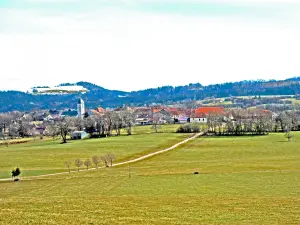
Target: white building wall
{"x":198,"y":120}
{"x":80,"y":109}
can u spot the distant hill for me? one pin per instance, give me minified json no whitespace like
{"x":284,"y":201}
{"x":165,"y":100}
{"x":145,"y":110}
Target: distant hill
{"x":99,"y":96}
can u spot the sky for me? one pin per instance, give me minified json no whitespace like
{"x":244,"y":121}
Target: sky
{"x":137,"y":44}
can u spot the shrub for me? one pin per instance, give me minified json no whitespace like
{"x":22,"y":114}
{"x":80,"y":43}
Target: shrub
{"x":188,"y":128}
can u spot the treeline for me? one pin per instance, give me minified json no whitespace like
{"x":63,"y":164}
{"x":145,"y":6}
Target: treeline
{"x":15,"y":125}
{"x":239,"y":122}
{"x":95,"y":125}
{"x":14,"y":100}
{"x":107,"y":161}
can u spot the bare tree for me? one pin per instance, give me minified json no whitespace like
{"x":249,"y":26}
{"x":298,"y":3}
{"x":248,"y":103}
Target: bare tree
{"x":288,"y":135}
{"x":128,"y":120}
{"x":68,"y":165}
{"x":156,"y":122}
{"x":285,"y":121}
{"x":117,"y":122}
{"x":96,"y":161}
{"x":5,"y":122}
{"x":24,"y":128}
{"x":110,"y":158}
{"x":100,"y":124}
{"x":78,"y":163}
{"x":78,"y":123}
{"x":65,"y":128}
{"x":90,"y":124}
{"x":87,"y":163}
{"x":16,"y":123}
{"x":52,"y":130}
{"x":105,"y":161}
{"x":13,"y":130}
{"x":108,"y":123}
{"x":294,"y":119}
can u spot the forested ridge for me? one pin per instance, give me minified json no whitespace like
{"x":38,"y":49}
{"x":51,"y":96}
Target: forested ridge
{"x":99,"y":96}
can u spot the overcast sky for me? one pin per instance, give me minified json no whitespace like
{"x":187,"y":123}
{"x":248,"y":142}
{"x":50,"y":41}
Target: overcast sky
{"x":137,"y":44}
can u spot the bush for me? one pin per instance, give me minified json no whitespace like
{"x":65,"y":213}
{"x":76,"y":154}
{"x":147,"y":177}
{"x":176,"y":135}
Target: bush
{"x":189,"y":128}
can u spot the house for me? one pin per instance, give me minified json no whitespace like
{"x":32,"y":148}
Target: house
{"x":79,"y":135}
{"x":160,"y":118}
{"x":54,"y":112}
{"x":69,"y":113}
{"x":198,"y":118}
{"x":143,"y":120}
{"x":142,"y":110}
{"x":39,"y":116}
{"x":49,"y":118}
{"x":200,"y":115}
{"x":124,"y":108}
{"x":183,"y":119}
{"x":209,"y":110}
{"x":174,"y":112}
{"x":39,"y":130}
{"x":98,"y":111}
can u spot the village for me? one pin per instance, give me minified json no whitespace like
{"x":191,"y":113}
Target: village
{"x":101,"y":122}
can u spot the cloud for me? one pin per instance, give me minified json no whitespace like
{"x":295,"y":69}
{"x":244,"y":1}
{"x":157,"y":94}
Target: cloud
{"x":131,"y":47}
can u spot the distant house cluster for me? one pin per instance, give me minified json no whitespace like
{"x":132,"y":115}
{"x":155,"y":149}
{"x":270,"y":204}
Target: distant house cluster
{"x":145,"y":115}
{"x":139,"y":115}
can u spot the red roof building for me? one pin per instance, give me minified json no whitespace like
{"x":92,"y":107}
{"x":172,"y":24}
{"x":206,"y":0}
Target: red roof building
{"x":208,"y":110}
{"x":98,"y":110}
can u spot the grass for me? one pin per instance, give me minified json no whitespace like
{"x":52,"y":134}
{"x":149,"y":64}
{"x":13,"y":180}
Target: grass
{"x":244,"y":180}
{"x":15,"y":141}
{"x":171,"y":128}
{"x":48,"y":156}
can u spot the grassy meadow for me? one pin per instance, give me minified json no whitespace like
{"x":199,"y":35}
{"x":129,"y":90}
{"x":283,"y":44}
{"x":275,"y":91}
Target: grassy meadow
{"x":48,"y":156}
{"x":244,"y":180}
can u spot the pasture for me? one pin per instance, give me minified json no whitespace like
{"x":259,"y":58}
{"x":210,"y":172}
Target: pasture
{"x":48,"y":156}
{"x":244,"y":180}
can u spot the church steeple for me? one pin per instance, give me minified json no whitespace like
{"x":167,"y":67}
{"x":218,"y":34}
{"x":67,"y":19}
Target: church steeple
{"x":80,"y":108}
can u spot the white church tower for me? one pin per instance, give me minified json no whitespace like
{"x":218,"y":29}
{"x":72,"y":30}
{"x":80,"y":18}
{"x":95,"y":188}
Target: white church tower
{"x":80,"y":108}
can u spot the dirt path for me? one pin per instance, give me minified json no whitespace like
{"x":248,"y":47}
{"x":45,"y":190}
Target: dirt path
{"x":158,"y":152}
{"x":117,"y":164}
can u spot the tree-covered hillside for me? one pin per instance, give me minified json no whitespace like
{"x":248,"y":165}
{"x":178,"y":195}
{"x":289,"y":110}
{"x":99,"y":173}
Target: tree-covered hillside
{"x":99,"y":96}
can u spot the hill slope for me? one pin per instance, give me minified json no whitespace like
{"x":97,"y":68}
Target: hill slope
{"x":99,"y":96}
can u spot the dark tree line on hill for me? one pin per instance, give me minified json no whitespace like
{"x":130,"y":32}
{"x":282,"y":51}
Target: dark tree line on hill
{"x":14,"y":100}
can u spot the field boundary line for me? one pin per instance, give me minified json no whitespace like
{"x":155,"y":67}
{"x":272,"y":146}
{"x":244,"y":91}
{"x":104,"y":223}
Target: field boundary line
{"x":117,"y":164}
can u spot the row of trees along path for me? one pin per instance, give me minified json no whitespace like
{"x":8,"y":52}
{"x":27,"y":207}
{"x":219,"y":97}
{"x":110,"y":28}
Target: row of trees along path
{"x":121,"y":163}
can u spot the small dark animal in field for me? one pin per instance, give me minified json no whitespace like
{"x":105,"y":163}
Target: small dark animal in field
{"x":196,"y":172}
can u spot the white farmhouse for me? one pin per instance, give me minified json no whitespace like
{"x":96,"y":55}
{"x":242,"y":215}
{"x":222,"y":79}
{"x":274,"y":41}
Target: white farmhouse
{"x":198,"y":118}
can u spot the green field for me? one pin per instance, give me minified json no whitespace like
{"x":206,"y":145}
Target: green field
{"x":44,"y":157}
{"x":15,"y":141}
{"x":244,"y":180}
